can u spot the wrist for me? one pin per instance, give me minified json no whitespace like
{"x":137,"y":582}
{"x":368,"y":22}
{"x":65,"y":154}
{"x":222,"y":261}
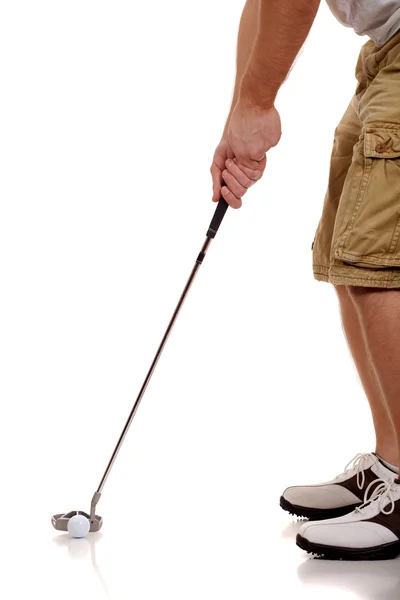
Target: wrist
{"x":258,"y":86}
{"x":225,"y":133}
{"x":228,"y":119}
{"x":255,"y":92}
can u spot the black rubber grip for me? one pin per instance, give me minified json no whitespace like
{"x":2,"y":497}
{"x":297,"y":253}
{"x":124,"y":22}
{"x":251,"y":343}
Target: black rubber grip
{"x":217,"y":218}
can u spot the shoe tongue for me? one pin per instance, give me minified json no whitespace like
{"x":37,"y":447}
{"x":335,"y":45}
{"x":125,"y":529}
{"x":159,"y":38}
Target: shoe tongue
{"x":370,"y":460}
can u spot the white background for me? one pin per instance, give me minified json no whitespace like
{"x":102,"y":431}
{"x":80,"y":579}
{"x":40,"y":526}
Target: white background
{"x":109,"y":116}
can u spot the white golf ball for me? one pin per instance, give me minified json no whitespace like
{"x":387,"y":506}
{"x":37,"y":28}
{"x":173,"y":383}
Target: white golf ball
{"x":78,"y":526}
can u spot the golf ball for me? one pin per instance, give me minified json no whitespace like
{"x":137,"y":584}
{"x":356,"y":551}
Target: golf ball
{"x":78,"y":526}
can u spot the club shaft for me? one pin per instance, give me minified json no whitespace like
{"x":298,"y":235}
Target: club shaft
{"x":152,"y":369}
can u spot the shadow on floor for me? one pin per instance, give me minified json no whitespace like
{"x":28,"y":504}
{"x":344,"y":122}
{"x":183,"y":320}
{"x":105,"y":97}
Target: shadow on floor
{"x":79,"y":549}
{"x":369,"y":580}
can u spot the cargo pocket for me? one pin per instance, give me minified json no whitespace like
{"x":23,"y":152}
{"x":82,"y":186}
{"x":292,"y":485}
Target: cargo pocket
{"x":369,"y":233}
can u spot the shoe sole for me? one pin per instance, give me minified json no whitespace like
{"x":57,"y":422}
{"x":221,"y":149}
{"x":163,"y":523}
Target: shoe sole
{"x":316,"y":514}
{"x":384,"y":552}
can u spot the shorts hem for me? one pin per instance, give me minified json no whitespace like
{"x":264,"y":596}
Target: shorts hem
{"x":321,"y":273}
{"x":353,"y":276}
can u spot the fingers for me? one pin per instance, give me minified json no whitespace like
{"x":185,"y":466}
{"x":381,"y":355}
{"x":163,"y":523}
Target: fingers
{"x":251,"y":164}
{"x":237,"y":175}
{"x":221,"y":190}
{"x":233,"y":184}
{"x":222,"y":153}
{"x":216,"y":174}
{"x":245,"y":177}
{"x":231,"y":199}
{"x":260,"y":169}
{"x":239,"y":179}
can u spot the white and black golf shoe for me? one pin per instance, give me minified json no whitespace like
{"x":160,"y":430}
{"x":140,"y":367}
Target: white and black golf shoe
{"x":370,"y":532}
{"x":340,"y":495}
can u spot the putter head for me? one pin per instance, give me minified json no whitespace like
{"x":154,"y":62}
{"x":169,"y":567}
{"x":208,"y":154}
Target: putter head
{"x":60,"y":522}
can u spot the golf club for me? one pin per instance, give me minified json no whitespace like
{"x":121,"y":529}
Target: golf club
{"x":60,"y":521}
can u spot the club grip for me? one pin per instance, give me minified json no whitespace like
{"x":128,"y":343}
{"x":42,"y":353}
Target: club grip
{"x":219,"y":214}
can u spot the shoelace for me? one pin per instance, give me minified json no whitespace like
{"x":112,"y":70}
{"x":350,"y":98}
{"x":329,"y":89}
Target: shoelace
{"x":382,"y":493}
{"x":358,"y":463}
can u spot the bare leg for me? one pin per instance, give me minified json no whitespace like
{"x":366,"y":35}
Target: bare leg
{"x":352,"y":320}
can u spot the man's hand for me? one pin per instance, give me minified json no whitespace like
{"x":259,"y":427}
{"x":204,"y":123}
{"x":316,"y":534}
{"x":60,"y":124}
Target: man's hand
{"x":222,"y":154}
{"x":240,"y":158}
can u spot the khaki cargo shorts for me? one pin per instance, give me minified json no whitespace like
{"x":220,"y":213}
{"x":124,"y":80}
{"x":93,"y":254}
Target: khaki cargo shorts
{"x":358,"y":237}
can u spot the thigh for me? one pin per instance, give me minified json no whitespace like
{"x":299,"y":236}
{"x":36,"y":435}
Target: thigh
{"x":346,"y":135}
{"x":367,"y":228}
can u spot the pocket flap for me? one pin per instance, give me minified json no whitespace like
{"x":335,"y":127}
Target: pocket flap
{"x":382,"y":143}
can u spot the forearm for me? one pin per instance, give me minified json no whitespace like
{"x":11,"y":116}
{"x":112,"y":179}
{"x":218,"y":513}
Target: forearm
{"x":248,"y":29}
{"x":283,"y":26}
